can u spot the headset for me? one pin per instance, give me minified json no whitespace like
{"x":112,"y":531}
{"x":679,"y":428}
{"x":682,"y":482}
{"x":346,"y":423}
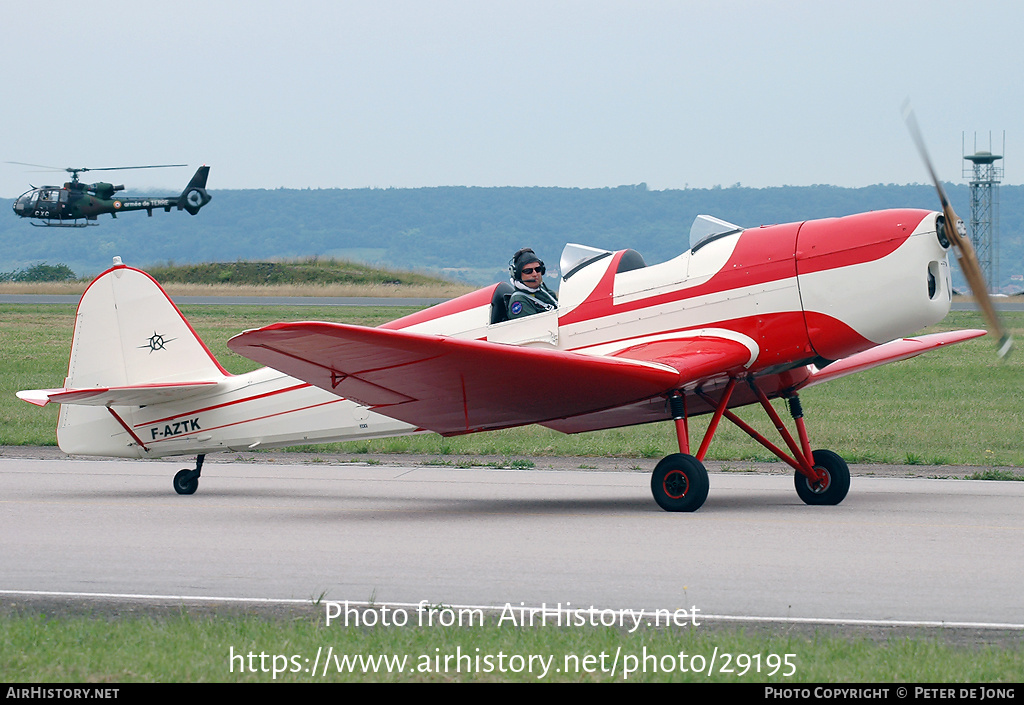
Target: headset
{"x":513,"y":264}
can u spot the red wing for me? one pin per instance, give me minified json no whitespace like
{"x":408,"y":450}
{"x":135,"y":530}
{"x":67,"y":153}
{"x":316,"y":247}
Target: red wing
{"x":451,"y":385}
{"x":698,"y":359}
{"x":901,"y":349}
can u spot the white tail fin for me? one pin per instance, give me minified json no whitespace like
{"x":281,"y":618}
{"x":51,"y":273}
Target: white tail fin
{"x":142,"y":384}
{"x":129,"y":333}
{"x":132,"y":348}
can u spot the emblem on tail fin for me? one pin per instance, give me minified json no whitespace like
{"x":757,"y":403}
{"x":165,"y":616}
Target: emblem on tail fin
{"x":157,"y":342}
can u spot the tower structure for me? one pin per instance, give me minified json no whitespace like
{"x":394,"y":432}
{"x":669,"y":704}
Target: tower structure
{"x":985,"y":172}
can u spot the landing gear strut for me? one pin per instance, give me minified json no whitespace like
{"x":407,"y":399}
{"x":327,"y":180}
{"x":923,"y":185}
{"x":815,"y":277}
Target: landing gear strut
{"x":187,"y":481}
{"x":680,"y":482}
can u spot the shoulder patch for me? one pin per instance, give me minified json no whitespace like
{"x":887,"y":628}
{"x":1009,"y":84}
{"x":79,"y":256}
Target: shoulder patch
{"x":517,"y":307}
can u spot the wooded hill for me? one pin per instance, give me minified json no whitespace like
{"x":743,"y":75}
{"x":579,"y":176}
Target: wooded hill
{"x":464,"y":232}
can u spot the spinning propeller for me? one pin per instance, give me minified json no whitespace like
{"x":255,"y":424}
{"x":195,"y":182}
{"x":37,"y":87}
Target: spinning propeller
{"x":956,"y":233}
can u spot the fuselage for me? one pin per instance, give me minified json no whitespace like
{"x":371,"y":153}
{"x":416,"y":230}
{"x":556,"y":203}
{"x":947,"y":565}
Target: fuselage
{"x":796,"y":295}
{"x":797,"y":292}
{"x":262,"y":409}
{"x":74,"y":202}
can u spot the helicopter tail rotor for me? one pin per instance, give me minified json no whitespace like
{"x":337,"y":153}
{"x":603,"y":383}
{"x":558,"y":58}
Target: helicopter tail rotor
{"x":195,"y":195}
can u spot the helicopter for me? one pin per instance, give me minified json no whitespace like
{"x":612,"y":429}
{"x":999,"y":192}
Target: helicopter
{"x":77,"y":204}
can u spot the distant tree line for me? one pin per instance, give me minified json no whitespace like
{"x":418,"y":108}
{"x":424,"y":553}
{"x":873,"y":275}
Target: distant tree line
{"x":41,"y":272}
{"x":464,"y":232}
{"x":311,"y":270}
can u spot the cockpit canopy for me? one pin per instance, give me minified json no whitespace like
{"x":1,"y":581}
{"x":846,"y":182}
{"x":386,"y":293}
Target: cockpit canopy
{"x":575,"y":257}
{"x":706,"y":228}
{"x":26,"y":201}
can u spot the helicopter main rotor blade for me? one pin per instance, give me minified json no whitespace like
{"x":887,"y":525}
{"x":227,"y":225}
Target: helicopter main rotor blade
{"x":72,"y":170}
{"x":120,"y":168}
{"x":39,"y":166}
{"x":957,"y":234}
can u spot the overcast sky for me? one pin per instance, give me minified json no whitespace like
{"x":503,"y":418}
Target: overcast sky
{"x":411,"y":93}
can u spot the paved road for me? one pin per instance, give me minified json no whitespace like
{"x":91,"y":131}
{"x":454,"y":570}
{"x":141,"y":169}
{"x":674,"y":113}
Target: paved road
{"x":896,"y":550}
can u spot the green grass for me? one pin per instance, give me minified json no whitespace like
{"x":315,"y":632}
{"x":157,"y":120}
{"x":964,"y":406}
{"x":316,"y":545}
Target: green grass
{"x":957,"y":405}
{"x":183,"y":648}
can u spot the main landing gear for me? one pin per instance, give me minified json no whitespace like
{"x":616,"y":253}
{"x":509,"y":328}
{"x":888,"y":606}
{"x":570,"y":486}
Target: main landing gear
{"x":679,"y":482}
{"x":187,"y":481}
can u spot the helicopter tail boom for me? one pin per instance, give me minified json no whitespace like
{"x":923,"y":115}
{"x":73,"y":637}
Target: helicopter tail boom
{"x":195,"y":196}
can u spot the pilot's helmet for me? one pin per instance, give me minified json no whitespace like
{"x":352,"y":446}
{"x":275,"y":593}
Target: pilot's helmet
{"x":522,"y":258}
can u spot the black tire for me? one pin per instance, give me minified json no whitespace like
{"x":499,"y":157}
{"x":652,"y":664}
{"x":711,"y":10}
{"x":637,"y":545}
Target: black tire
{"x":836,"y":485}
{"x":679,"y":483}
{"x":186,"y":482}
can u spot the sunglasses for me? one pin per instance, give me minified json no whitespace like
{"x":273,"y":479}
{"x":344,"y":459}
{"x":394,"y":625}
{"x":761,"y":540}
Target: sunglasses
{"x":531,"y":270}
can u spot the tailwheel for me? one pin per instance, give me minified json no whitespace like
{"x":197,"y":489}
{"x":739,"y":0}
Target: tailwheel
{"x":187,"y":481}
{"x":679,"y":483}
{"x":831,"y":487}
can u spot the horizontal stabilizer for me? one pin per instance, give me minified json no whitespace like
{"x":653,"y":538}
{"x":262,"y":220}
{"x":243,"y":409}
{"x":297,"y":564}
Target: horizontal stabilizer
{"x":893,"y":351}
{"x":137,"y":395}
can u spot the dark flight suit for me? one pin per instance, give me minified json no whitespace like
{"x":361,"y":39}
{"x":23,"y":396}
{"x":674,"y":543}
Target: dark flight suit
{"x":523,"y":303}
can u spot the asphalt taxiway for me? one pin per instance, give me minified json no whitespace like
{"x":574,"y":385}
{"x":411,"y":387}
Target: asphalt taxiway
{"x":896,"y":550}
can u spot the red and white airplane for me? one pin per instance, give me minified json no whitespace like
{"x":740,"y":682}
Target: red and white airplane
{"x":741,"y":317}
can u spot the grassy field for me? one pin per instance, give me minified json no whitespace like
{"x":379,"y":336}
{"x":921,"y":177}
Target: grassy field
{"x":188,"y":648}
{"x":952,"y":406}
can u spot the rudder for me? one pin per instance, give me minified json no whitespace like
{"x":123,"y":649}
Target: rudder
{"x":129,"y":332}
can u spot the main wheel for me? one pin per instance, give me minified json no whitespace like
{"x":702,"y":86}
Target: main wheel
{"x":186,"y":481}
{"x":832,"y":490}
{"x":679,"y":483}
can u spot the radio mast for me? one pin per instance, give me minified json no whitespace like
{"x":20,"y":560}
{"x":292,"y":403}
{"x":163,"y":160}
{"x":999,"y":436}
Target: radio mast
{"x":985,"y":173}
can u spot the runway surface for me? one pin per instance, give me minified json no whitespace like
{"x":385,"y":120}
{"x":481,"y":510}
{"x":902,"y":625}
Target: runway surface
{"x":895,"y":550}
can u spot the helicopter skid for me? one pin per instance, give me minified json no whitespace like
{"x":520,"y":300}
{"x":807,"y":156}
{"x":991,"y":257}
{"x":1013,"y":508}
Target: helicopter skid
{"x":63,"y":224}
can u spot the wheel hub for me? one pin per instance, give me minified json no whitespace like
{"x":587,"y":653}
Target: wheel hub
{"x":676,"y":484}
{"x":822,"y":482}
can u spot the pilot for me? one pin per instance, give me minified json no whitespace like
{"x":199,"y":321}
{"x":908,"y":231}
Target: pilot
{"x":531,"y":293}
